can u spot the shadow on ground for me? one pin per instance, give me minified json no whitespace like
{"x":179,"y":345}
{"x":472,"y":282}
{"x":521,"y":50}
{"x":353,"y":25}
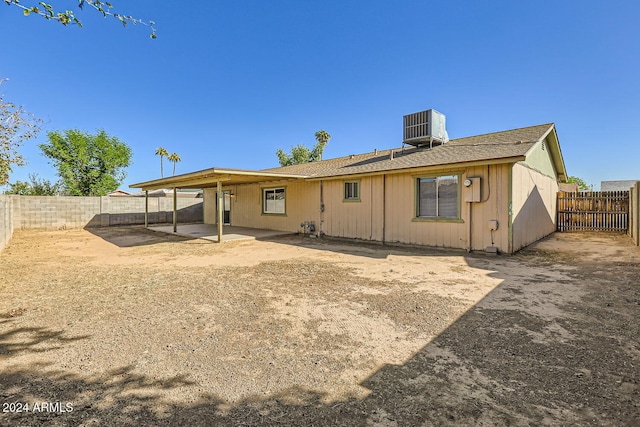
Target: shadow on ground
{"x":363,"y":248}
{"x":35,"y":340}
{"x":136,"y":235}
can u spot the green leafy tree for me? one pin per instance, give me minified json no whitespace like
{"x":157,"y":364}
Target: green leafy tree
{"x":162,"y":152}
{"x":298,"y":155}
{"x":88,"y":165}
{"x":21,"y":188}
{"x":302,"y":154}
{"x":35,"y":187}
{"x":175,"y":158}
{"x":16,"y":127}
{"x":582,"y":185}
{"x":67,"y":17}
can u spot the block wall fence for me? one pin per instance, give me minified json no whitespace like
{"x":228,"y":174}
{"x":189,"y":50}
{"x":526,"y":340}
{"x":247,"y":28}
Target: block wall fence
{"x":60,"y":212}
{"x":6,"y":221}
{"x":634,"y":213}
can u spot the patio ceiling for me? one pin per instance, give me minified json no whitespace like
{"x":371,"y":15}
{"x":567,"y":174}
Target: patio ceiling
{"x":210,"y":177}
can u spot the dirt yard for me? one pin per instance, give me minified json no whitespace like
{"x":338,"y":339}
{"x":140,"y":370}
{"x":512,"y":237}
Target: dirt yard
{"x":127,"y":327}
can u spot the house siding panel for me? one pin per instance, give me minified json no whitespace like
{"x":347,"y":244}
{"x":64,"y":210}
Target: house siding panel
{"x":494,"y":205}
{"x":209,"y":205}
{"x":534,"y":205}
{"x":385,"y":211}
{"x":302,"y":200}
{"x":401,"y":210}
{"x":539,"y":159}
{"x":354,"y":219}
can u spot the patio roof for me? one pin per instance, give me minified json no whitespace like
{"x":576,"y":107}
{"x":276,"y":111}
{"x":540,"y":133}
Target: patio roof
{"x":213,"y":177}
{"x":210,"y":177}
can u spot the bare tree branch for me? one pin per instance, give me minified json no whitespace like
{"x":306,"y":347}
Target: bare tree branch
{"x":67,"y":17}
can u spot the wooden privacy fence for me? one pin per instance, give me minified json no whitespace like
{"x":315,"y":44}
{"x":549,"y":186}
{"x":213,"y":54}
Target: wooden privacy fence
{"x":593,"y":211}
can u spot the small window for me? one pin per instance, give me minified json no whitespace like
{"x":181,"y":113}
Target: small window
{"x":352,"y":190}
{"x":438,"y":197}
{"x":273,"y":201}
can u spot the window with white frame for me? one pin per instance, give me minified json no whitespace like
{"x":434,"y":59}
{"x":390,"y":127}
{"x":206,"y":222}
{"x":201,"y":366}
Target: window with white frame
{"x":273,"y":200}
{"x":352,"y":190}
{"x":438,"y":197}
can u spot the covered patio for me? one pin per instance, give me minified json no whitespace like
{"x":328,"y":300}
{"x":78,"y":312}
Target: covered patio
{"x":210,"y":232}
{"x":211,"y":178}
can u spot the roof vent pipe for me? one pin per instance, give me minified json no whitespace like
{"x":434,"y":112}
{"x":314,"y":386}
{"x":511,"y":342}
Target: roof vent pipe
{"x":391,"y":155}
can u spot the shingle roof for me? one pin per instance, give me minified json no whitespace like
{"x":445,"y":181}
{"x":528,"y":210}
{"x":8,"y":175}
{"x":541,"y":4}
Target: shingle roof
{"x":489,"y":147}
{"x":506,"y":146}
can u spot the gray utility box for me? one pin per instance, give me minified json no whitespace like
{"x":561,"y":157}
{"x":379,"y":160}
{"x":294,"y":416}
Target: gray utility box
{"x":472,"y":193}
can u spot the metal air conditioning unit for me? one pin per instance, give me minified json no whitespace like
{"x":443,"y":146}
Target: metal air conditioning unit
{"x":425,"y":129}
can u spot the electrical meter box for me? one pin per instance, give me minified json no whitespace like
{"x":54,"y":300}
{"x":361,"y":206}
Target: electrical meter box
{"x":472,"y":190}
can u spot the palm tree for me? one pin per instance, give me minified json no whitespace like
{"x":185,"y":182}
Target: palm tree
{"x":162,"y":152}
{"x":322,"y":139}
{"x":175,"y":158}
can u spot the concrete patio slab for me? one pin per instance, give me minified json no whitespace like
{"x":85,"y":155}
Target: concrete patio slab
{"x":210,"y":232}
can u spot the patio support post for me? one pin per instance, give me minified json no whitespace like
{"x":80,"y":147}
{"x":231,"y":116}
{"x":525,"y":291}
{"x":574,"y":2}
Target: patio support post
{"x":175,"y":209}
{"x":220,"y":210}
{"x":146,"y":208}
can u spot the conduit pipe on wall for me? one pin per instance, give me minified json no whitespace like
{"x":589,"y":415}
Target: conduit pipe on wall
{"x":384,"y":207}
{"x":371,"y":208}
{"x":321,"y":226}
{"x":470,"y":229}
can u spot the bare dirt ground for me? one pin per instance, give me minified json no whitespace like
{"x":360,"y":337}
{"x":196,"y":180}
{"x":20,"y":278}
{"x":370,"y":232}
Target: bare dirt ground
{"x":123,"y":326}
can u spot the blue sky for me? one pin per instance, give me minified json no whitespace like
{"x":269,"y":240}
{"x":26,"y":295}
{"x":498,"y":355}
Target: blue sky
{"x":227,"y":83}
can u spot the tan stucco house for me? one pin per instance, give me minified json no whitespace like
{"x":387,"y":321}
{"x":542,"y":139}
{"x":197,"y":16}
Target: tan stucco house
{"x":494,"y":192}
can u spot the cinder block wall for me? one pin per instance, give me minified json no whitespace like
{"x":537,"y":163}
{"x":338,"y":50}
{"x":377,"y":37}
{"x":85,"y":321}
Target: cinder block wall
{"x":130,"y":210}
{"x":52,"y":213}
{"x":6,"y":223}
{"x":59,"y":212}
{"x":634,"y":213}
{"x":77,"y":212}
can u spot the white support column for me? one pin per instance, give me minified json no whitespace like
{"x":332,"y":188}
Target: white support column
{"x":220,"y":210}
{"x":146,"y":208}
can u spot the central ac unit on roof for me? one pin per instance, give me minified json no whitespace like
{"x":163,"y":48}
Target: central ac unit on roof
{"x":426,"y":128}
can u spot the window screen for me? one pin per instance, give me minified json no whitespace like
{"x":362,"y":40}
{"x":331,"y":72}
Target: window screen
{"x":273,"y":200}
{"x":438,"y":197}
{"x":352,"y":190}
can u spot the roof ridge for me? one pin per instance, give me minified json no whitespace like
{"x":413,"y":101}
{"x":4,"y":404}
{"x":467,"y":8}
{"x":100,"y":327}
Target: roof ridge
{"x":504,"y":131}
